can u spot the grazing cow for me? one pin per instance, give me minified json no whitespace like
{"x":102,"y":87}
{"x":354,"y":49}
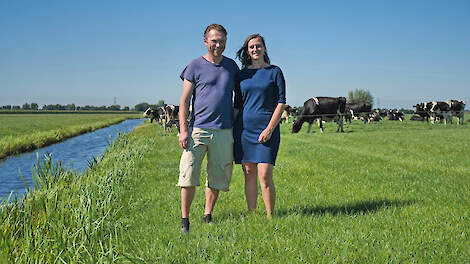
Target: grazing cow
{"x":457,"y":108}
{"x":321,"y":108}
{"x":358,"y":111}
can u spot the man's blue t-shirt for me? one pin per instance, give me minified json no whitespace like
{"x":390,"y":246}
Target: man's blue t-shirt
{"x":212,"y":92}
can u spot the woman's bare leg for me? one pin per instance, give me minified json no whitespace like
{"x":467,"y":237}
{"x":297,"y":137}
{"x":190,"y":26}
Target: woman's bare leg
{"x":251,"y":184}
{"x":268,"y":191}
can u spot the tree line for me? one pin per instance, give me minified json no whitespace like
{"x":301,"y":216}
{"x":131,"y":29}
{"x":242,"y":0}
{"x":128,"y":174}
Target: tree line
{"x":72,"y":107}
{"x":355,"y":96}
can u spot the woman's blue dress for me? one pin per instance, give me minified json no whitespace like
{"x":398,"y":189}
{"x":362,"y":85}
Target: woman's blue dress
{"x":260,"y":91}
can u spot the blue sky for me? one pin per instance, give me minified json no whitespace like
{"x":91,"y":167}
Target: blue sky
{"x":88,"y":52}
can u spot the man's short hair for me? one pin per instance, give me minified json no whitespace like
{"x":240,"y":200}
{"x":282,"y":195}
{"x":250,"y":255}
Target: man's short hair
{"x":217,"y":27}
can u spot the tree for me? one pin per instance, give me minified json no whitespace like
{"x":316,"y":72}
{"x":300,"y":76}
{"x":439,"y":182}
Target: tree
{"x":34,"y":106}
{"x":115,"y":107}
{"x":70,"y":107}
{"x":141,"y":107}
{"x":26,"y":106}
{"x":160,"y":103}
{"x":360,"y":96}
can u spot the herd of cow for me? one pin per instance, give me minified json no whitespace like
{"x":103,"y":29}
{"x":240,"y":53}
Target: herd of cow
{"x":166,"y":115}
{"x":440,"y":111}
{"x":322,"y":109}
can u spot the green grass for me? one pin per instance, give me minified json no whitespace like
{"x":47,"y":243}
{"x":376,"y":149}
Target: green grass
{"x":388,"y":192}
{"x":25,"y":132}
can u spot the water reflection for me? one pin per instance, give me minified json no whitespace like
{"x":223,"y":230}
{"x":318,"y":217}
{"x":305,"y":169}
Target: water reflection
{"x":74,"y":153}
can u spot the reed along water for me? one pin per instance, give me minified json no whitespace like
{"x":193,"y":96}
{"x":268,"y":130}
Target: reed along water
{"x":75,"y":153}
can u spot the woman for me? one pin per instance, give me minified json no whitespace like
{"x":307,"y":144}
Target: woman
{"x":261,"y":99}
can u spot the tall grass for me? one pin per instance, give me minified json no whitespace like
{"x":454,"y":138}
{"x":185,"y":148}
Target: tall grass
{"x":69,"y":217}
{"x":380,"y":193}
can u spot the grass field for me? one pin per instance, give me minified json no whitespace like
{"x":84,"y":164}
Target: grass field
{"x":25,"y":132}
{"x":380,"y":193}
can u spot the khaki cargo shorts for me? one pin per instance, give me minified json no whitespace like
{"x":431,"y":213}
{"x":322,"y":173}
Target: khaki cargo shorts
{"x":218,"y":144}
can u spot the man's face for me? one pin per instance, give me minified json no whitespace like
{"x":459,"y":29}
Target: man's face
{"x":215,"y":42}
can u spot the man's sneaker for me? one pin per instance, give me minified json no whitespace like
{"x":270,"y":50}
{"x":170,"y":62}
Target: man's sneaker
{"x":184,"y":225}
{"x":207,"y":218}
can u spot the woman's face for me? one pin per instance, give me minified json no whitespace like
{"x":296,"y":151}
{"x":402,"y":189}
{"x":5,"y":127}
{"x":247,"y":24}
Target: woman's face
{"x":256,"y":49}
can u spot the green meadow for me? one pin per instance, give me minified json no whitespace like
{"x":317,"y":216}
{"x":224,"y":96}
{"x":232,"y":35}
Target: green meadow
{"x":387,"y":192}
{"x":21,"y":132}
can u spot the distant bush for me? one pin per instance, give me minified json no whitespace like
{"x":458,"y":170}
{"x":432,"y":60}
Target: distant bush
{"x":360,"y":96}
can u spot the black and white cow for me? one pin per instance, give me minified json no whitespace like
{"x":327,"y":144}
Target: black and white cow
{"x":296,"y":111}
{"x":284,"y":117}
{"x":358,"y":111}
{"x":438,"y":110}
{"x":171,"y":116}
{"x":287,"y":113}
{"x":155,"y":114}
{"x":420,"y":111}
{"x":374,"y":117}
{"x":395,"y":115}
{"x":328,"y":108}
{"x":457,"y":108}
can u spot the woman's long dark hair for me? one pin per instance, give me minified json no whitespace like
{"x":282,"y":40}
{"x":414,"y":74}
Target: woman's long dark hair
{"x":242,"y":53}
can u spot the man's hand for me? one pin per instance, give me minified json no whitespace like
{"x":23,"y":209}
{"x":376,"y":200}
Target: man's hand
{"x":184,"y":139}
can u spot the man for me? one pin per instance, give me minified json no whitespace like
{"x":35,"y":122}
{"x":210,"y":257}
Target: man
{"x":209,"y":80}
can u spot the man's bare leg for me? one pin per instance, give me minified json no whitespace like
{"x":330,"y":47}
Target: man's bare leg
{"x":187,"y":196}
{"x":211,"y":198}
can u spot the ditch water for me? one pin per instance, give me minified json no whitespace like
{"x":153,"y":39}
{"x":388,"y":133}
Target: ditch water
{"x":74,"y":153}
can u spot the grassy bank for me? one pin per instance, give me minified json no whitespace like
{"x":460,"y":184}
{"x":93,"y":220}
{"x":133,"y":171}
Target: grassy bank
{"x":380,"y":193}
{"x":25,"y":132}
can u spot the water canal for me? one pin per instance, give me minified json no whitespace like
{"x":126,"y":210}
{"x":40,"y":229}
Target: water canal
{"x":74,"y":153}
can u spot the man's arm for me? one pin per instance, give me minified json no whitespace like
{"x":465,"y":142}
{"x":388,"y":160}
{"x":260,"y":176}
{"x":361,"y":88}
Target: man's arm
{"x":183,"y":113}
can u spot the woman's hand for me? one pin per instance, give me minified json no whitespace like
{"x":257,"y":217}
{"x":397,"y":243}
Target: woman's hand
{"x":265,"y":135}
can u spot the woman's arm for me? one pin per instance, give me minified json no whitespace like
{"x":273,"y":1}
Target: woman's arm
{"x":267,"y":132}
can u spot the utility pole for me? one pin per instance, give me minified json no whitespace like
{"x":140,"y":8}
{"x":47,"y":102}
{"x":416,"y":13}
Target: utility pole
{"x":115,"y":100}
